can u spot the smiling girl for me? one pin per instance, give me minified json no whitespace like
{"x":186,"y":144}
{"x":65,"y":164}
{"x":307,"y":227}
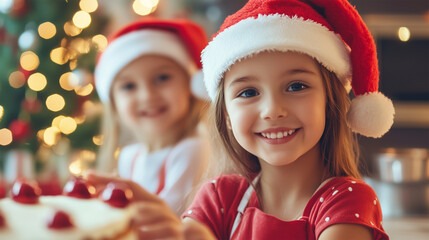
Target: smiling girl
{"x":144,"y":78}
{"x":279,"y":73}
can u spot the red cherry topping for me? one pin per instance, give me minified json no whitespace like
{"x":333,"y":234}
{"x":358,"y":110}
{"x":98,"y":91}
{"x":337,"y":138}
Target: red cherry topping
{"x":78,"y":188}
{"x":59,"y":220}
{"x":117,"y":195}
{"x":23,"y":192}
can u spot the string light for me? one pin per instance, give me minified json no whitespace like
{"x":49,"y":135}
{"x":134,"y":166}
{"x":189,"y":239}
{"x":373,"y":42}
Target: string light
{"x":404,"y":34}
{"x":97,"y":140}
{"x":1,"y":111}
{"x":80,"y":119}
{"x":100,"y":42}
{"x":80,"y":45}
{"x":29,"y":61}
{"x":66,"y":79}
{"x":37,"y":82}
{"x":59,"y":55}
{"x":75,"y":167}
{"x":71,"y":29}
{"x":144,"y":8}
{"x":47,"y":30}
{"x":85,"y":90}
{"x":73,"y":64}
{"x":81,"y":19}
{"x":88,"y":6}
{"x":56,"y":121}
{"x":68,"y":125}
{"x":5,"y":137}
{"x":17,"y":79}
{"x":149,"y":3}
{"x":55,"y":102}
{"x":51,"y":136}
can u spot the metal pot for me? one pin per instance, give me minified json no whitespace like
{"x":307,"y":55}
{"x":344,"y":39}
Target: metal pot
{"x":402,"y":165}
{"x":401,"y":181}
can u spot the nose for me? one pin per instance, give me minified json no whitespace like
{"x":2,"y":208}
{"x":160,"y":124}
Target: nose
{"x":273,"y":107}
{"x":145,"y":92}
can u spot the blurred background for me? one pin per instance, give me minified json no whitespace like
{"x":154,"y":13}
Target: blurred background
{"x":50,"y":113}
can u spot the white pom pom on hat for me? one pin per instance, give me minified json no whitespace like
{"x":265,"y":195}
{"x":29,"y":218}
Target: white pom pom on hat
{"x":178,"y":39}
{"x":330,"y":31}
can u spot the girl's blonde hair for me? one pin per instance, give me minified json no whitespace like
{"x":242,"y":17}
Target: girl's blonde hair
{"x":338,"y":146}
{"x":113,"y":139}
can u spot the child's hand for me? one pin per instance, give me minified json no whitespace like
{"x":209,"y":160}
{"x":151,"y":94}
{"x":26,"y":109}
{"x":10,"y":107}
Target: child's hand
{"x":155,"y":220}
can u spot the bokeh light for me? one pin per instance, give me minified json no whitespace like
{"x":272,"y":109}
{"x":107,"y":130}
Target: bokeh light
{"x":98,"y":140}
{"x":81,"y":19}
{"x":47,"y":30}
{"x":55,"y":102}
{"x":85,"y":90}
{"x":71,"y":30}
{"x":51,"y":136}
{"x":56,"y":121}
{"x":149,"y":3}
{"x":404,"y":34}
{"x":1,"y":111}
{"x":66,"y":79}
{"x":75,"y":167}
{"x":59,"y":55}
{"x":80,"y":45}
{"x":5,"y":137}
{"x":29,"y":61}
{"x":27,"y":39}
{"x":88,"y":6}
{"x":37,"y":82}
{"x":68,"y":125}
{"x":17,"y":79}
{"x":143,"y":8}
{"x":100,"y":41}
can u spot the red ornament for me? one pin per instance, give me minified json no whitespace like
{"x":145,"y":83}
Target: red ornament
{"x":31,"y":105}
{"x":19,"y":8}
{"x":24,"y":192}
{"x":78,"y":188}
{"x":59,"y":220}
{"x":20,"y":129}
{"x":117,"y":195}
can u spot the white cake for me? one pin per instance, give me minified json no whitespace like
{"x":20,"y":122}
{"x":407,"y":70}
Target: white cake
{"x":86,"y":218}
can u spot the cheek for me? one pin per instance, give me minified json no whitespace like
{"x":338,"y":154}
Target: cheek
{"x":241,"y":121}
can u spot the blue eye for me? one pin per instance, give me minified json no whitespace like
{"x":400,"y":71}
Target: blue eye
{"x":128,"y":86}
{"x":163,"y":77}
{"x":248,"y":93}
{"x":295,"y":87}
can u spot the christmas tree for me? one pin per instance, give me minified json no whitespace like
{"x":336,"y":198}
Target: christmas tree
{"x":47,"y":55}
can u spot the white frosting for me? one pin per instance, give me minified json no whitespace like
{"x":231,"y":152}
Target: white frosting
{"x":92,"y":219}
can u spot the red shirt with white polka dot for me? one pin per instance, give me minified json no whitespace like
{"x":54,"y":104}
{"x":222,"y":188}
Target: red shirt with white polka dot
{"x":340,"y":200}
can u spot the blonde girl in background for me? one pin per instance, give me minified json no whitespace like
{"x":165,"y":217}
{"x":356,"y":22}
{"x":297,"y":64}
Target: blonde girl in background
{"x":148,"y":79}
{"x":278,"y":73}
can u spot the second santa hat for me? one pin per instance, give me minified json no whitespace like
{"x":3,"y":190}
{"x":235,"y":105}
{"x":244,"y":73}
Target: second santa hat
{"x":330,"y":31}
{"x":178,"y":39}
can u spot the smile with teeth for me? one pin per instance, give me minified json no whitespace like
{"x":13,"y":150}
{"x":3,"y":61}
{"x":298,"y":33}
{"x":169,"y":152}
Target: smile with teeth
{"x":278,"y":135}
{"x":153,"y":112}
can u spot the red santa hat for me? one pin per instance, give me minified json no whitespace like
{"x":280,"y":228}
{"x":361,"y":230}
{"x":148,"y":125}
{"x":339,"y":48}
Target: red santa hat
{"x":331,"y":31}
{"x":178,"y":39}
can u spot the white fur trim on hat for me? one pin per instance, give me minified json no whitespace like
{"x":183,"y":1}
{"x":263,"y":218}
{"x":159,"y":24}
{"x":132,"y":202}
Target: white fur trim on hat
{"x":274,"y":32}
{"x":197,"y":86}
{"x":371,"y":114}
{"x":130,"y":46}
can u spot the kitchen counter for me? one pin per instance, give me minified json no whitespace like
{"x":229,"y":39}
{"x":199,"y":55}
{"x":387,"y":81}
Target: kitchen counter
{"x":404,"y":228}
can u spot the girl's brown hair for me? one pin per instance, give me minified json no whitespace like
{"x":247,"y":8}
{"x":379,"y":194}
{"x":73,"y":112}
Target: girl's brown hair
{"x":339,"y":149}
